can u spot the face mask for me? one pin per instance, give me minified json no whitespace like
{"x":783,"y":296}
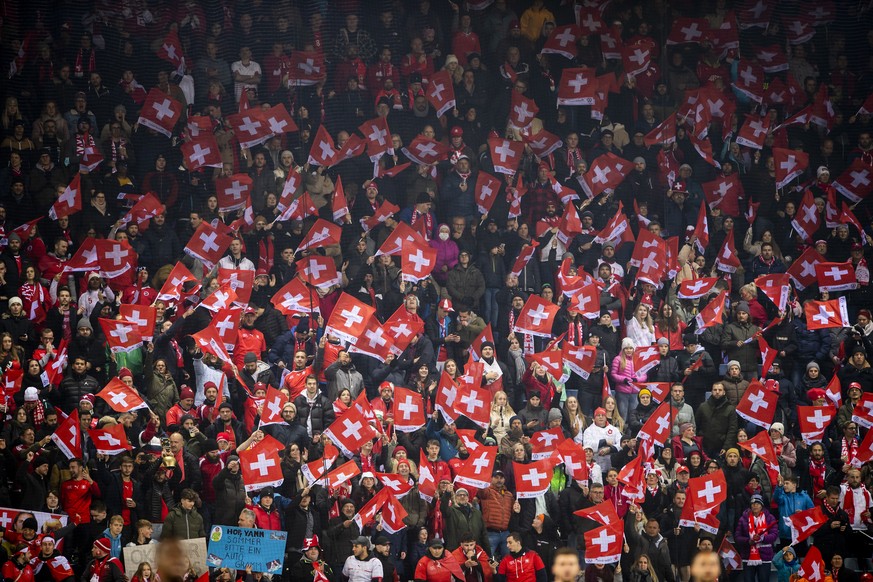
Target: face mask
{"x":444,"y":236}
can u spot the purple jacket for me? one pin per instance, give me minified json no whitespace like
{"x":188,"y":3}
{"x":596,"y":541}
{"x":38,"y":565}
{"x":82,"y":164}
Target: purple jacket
{"x":742,"y":537}
{"x":447,"y":254}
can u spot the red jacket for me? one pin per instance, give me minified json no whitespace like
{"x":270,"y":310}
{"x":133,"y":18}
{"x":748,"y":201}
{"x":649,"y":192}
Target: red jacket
{"x":470,"y":573}
{"x":524,"y":567}
{"x":267,"y":519}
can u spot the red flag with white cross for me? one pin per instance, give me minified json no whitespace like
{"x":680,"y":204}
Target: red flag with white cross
{"x":111,"y":440}
{"x":533,"y":479}
{"x":349,"y":318}
{"x":201,"y":152}
{"x":322,"y":234}
{"x":658,"y":427}
{"x":537,"y":317}
{"x":306,"y":68}
{"x":323,"y":151}
{"x":544,"y":442}
{"x":232,"y":192}
{"x":813,"y":421}
{"x":350,"y":432}
{"x":836,"y":276}
{"x":708,"y":491}
{"x":120,"y":397}
{"x":603,"y":544}
{"x":788,"y":165}
{"x":295,"y":298}
{"x":477,"y":468}
{"x":160,"y":112}
{"x":712,"y":314}
{"x":562,"y":41}
{"x":70,"y":200}
{"x":505,"y":154}
{"x":261,"y":465}
{"x":378,"y":137}
{"x":271,"y":411}
{"x":804,"y":523}
{"x":408,"y":410}
{"x":417,"y":261}
{"x":758,"y":405}
{"x":646,"y":358}
{"x":827,"y":314}
{"x":577,"y":86}
{"x":121,"y":335}
{"x":207,"y":244}
{"x":475,"y":404}
{"x":66,"y":436}
{"x":375,"y":341}
{"x":143,"y":316}
{"x":441,"y":92}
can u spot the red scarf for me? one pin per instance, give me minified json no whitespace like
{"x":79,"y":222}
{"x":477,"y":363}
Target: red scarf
{"x":757,"y":527}
{"x":817,"y":471}
{"x":427,"y":217}
{"x":527,"y":344}
{"x":265,"y":254}
{"x":848,"y":450}
{"x":92,"y":62}
{"x":849,"y":502}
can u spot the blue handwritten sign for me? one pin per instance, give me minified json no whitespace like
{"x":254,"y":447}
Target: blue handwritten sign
{"x":238,"y":547}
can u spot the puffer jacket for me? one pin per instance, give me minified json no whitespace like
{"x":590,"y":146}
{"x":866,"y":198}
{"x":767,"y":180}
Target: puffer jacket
{"x":320,"y":412}
{"x":812,"y":345}
{"x":496,"y":507}
{"x":734,"y":388}
{"x":717,"y":424}
{"x":230,"y":497}
{"x":685,"y":414}
{"x":466,"y":285}
{"x":160,"y":390}
{"x":623,"y":377}
{"x":184,"y":525}
{"x":747,"y":354}
{"x":74,"y":387}
{"x":640,"y":415}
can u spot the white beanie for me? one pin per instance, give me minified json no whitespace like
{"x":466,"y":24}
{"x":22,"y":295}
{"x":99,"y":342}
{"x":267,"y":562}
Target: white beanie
{"x":628,"y":343}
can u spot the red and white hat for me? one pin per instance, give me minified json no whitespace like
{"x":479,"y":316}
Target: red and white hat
{"x":103,"y":544}
{"x":446,"y":305}
{"x":310,"y":543}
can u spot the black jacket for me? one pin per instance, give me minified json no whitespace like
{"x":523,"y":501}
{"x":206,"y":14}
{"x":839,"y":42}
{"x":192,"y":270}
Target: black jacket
{"x":320,"y":413}
{"x":230,"y":497}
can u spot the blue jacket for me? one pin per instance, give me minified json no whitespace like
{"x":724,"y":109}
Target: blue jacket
{"x":789,"y":504}
{"x":784,"y":569}
{"x":812,"y":345}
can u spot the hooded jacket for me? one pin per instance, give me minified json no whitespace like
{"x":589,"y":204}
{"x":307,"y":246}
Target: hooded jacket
{"x":717,"y":422}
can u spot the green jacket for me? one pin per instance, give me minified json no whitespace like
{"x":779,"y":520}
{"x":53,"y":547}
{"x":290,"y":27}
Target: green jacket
{"x":458,"y":522}
{"x":181,"y":524}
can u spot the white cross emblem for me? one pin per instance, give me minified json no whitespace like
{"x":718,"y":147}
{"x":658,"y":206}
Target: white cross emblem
{"x":315,"y":269}
{"x":308,"y":66}
{"x":860,"y":178}
{"x":436,"y":91}
{"x":224,"y":326}
{"x":119,"y":398}
{"x":352,"y":316}
{"x":757,"y":127}
{"x":818,"y":419}
{"x":408,"y":407}
{"x":121,"y":332}
{"x":326,"y":150}
{"x":578,"y":82}
{"x":375,"y":337}
{"x":471,"y":403}
{"x":809,"y":214}
{"x":789,"y":163}
{"x":798,"y":27}
{"x":426,"y":149}
{"x":715,"y":108}
{"x":639,"y":56}
{"x":748,"y":76}
{"x":757,"y":401}
{"x":136,"y":319}
{"x":277,"y":125}
{"x":571,"y":466}
{"x":208,"y":241}
{"x":534,"y":477}
{"x":419,"y":260}
{"x":565,"y":38}
{"x":582,"y":301}
{"x":539,"y":315}
{"x":289,"y":300}
{"x":607,"y":38}
{"x":697,"y":285}
{"x":823,"y":316}
{"x":377,"y":134}
{"x":163,"y":108}
{"x":546,"y":439}
{"x":352,"y":428}
{"x":808,"y":269}
{"x":401,"y":329}
{"x":603,"y":540}
{"x":522,"y":112}
{"x":5,"y":520}
{"x":691,"y":32}
{"x":236,"y":190}
{"x":709,"y":491}
{"x":250,"y":125}
{"x":69,"y":198}
{"x":480,"y":463}
{"x":117,"y":254}
{"x":263,"y":464}
{"x":649,"y":262}
{"x":274,"y":408}
{"x":663,"y":424}
{"x":504,"y":151}
{"x":590,"y":23}
{"x":836,"y":273}
{"x":199,"y":154}
{"x":109,"y":439}
{"x":486,"y":192}
{"x":758,"y":9}
{"x":171,"y":51}
{"x":810,"y":523}
{"x":600,"y":176}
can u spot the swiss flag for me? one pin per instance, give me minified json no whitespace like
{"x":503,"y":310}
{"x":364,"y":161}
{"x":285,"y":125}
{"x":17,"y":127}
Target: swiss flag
{"x":408,"y":410}
{"x":474,"y":403}
{"x":318,"y":271}
{"x":533,"y":479}
{"x":658,"y":427}
{"x":813,"y":567}
{"x":221,"y":298}
{"x":611,"y":43}
{"x":322,"y":234}
{"x":160,"y":112}
{"x":115,"y":257}
{"x":659,"y":390}
{"x":615,"y":228}
{"x":572,"y":456}
{"x":542,"y":144}
{"x":701,"y":230}
{"x":477,"y":468}
{"x":171,"y":49}
{"x":730,"y":557}
{"x":121,"y":335}
{"x":863,"y":411}
{"x":111,"y":440}
{"x":632,"y":474}
{"x":776,"y":287}
{"x":367,"y":514}
{"x":847,"y":217}
{"x":636,"y":58}
{"x":664,"y":134}
{"x":865,"y":449}
{"x":653,"y":262}
{"x":688,"y":30}
{"x":425,"y":151}
{"x":603,"y":513}
{"x":754,"y":131}
{"x":447,"y":394}
{"x":551,"y":360}
{"x":570,"y":224}
{"x":441,"y":92}
{"x":761,"y":446}
{"x":146,"y":208}
{"x":323,"y":150}
{"x":804,"y":523}
{"x":589,"y":17}
{"x":826,"y":314}
{"x":350,"y":432}
{"x":399,"y":488}
{"x":799,"y":29}
{"x":339,"y":204}
{"x":226,"y":325}
{"x":375,"y":341}
{"x":349,"y":318}
{"x":603,"y":544}
{"x":393,"y":515}
{"x":290,"y":187}
{"x":712,"y":314}
{"x":401,"y":234}
{"x":706,"y":520}
{"x":758,"y":404}
{"x":378,"y":137}
{"x":382,"y":213}
{"x":505,"y":154}
{"x":607,"y":171}
{"x":240,"y":281}
{"x":537,"y":317}
{"x":143,"y":316}
{"x":487,"y":187}
{"x":354,"y":146}
{"x":261,"y":465}
{"x":315,"y":470}
{"x":279,"y":120}
{"x":544,"y":442}
{"x":271,"y":412}
{"x":586,"y":300}
{"x":755,"y":13}
{"x":727,"y":259}
{"x":120,"y":397}
{"x":696,"y":288}
{"x":306,"y":68}
{"x":201,"y":152}
{"x":233,"y":191}
{"x":210,"y":341}
{"x":802,"y":270}
{"x":527,"y":251}
{"x":646,"y":358}
{"x":70,"y":201}
{"x":172,"y":288}
{"x":813,"y":421}
{"x":207,"y":244}
{"x":295,"y":298}
{"x":789,"y":164}
{"x":708,"y":491}
{"x":468,"y":437}
{"x":476,"y":346}
{"x":577,"y":86}
{"x":772,"y":59}
{"x":417,"y":261}
{"x":340,"y":475}
{"x":836,"y":276}
{"x":807,"y":220}
{"x":750,"y":81}
{"x":402,"y":327}
{"x":562,"y":41}
{"x":867,"y":107}
{"x":67,"y":437}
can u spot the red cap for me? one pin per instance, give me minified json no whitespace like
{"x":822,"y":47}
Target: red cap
{"x":103,"y":544}
{"x":682,"y":469}
{"x":457,"y":131}
{"x":260,"y":386}
{"x":446,"y":305}
{"x":310,"y":543}
{"x":223,"y":436}
{"x":186,"y":392}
